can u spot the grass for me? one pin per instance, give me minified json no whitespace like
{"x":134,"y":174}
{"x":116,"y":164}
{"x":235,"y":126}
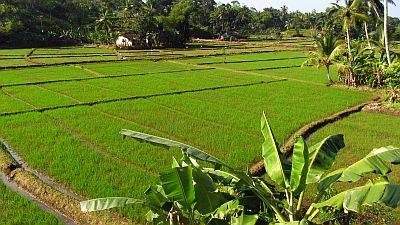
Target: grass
{"x":250,"y":56}
{"x":72,"y":50}
{"x":75,"y":139}
{"x":134,"y":67}
{"x":17,"y":76}
{"x":72,"y":161}
{"x":363,"y":132}
{"x":39,"y":97}
{"x":20,"y":52}
{"x":262,"y":64}
{"x":54,"y":60}
{"x":15,"y":62}
{"x":306,"y":73}
{"x":81,"y":148}
{"x":9,"y":104}
{"x":15,"y":209}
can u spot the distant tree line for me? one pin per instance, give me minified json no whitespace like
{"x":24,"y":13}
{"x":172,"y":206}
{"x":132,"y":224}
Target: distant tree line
{"x":158,"y":23}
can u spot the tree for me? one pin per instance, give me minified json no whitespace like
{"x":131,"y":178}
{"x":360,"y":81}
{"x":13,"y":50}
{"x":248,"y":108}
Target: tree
{"x":374,"y":8}
{"x":385,"y":28}
{"x":328,"y":48}
{"x":104,"y":24}
{"x":350,"y":14}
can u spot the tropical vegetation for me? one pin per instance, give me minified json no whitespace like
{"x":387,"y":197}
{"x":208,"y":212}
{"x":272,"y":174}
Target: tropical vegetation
{"x":192,"y":194}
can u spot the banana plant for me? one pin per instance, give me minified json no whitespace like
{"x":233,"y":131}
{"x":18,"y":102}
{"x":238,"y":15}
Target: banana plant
{"x":192,"y":194}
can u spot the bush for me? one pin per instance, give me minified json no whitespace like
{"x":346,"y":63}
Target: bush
{"x":391,"y":75}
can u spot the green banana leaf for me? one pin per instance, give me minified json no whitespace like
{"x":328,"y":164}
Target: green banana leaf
{"x":224,"y":176}
{"x":244,"y":220}
{"x":380,"y":191}
{"x":178,"y":185}
{"x":322,"y":156}
{"x":298,"y":175}
{"x":272,"y":156}
{"x":207,"y":197}
{"x":192,"y":151}
{"x":374,"y":162}
{"x":302,"y":222}
{"x":107,"y":203}
{"x":156,"y":196}
{"x":227,"y":209}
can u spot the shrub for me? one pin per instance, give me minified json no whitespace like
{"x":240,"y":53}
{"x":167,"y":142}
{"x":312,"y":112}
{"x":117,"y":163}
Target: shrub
{"x":391,"y":75}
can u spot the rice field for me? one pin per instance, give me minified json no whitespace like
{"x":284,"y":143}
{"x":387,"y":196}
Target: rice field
{"x":65,"y":120}
{"x":14,"y":209}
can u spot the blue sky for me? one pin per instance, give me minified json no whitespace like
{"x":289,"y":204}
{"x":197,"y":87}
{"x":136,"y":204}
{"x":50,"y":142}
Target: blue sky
{"x":302,"y":5}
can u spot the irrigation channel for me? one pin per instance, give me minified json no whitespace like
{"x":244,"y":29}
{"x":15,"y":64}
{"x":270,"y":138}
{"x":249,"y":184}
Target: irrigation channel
{"x":20,"y":164}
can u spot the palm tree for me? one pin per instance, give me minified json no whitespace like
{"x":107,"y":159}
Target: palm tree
{"x":104,"y":23}
{"x":328,"y":48}
{"x":385,"y":26}
{"x":351,"y":14}
{"x":375,"y":9}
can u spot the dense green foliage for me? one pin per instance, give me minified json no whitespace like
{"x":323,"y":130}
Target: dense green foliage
{"x":391,"y":75}
{"x":154,"y":23}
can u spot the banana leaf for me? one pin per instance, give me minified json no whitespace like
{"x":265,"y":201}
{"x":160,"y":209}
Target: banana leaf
{"x":374,"y":162}
{"x":298,"y":175}
{"x":322,"y":156}
{"x":207,"y":197}
{"x":159,"y":141}
{"x":380,"y":191}
{"x":107,"y":203}
{"x":178,"y":185}
{"x":244,"y":220}
{"x":272,"y":156}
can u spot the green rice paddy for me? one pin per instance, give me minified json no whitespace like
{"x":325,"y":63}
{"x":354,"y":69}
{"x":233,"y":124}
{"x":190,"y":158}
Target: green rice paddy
{"x":214,"y":103}
{"x":15,"y":209}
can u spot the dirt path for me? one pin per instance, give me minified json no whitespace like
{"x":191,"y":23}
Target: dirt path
{"x":381,"y":108}
{"x":66,"y":220}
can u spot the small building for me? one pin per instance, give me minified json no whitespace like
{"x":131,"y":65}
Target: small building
{"x":128,"y":41}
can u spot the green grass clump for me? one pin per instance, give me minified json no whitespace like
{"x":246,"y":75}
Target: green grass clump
{"x":262,"y":64}
{"x":312,"y":74}
{"x":39,"y":97}
{"x":77,"y":164}
{"x":72,"y":50}
{"x":14,"y":62}
{"x":9,"y":104}
{"x":135,"y":67}
{"x":19,"y":52}
{"x":15,"y":209}
{"x":249,"y":56}
{"x":17,"y":76}
{"x":54,"y":60}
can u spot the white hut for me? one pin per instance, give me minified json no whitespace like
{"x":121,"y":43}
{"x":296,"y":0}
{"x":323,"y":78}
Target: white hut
{"x":127,"y":41}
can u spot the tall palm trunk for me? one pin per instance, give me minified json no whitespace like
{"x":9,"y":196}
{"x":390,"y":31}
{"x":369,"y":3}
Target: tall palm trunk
{"x":385,"y":26}
{"x":367,"y":35}
{"x":328,"y":75}
{"x":348,"y":40}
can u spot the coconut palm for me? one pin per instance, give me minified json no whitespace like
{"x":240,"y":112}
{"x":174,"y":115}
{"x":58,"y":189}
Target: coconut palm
{"x":329,"y":47}
{"x":375,"y":9}
{"x":351,"y":14}
{"x":385,"y":26}
{"x":104,"y":23}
